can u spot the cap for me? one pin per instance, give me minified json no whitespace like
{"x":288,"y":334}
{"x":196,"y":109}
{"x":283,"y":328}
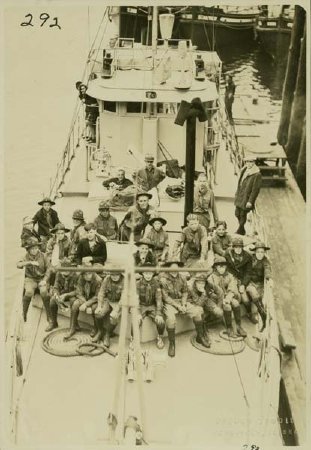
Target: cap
{"x":104,"y":204}
{"x":143,"y":194}
{"x":219,"y":260}
{"x":46,"y":200}
{"x":144,"y":242}
{"x":149,"y":157}
{"x":60,"y":227}
{"x":32,"y":242}
{"x":159,"y":219}
{"x":260,"y":244}
{"x":78,"y":214}
{"x":237,"y":242}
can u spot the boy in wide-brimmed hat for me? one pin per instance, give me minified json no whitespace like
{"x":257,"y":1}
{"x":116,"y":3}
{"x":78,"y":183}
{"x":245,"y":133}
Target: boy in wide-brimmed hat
{"x":175,"y":301}
{"x":144,"y":253}
{"x":259,"y":271}
{"x":62,"y":292}
{"x":137,"y":218}
{"x":150,"y":302}
{"x":46,"y":218}
{"x":28,"y":231}
{"x":77,"y":233}
{"x":87,"y":289}
{"x":231,"y":298}
{"x":159,"y":238}
{"x":106,"y":224}
{"x":37,"y":273}
{"x":108,"y":311}
{"x":239,"y":262}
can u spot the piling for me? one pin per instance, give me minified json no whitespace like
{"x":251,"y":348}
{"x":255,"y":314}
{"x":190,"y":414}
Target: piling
{"x":291,"y":133}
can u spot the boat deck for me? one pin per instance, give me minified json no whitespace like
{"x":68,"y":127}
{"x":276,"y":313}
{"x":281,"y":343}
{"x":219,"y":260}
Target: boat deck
{"x":189,"y":384}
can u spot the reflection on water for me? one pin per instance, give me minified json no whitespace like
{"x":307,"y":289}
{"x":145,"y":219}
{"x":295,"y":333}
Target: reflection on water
{"x":250,"y":67}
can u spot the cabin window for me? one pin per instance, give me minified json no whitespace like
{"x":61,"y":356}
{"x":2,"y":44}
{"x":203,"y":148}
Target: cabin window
{"x":135,"y":107}
{"x":110,"y":106}
{"x":167,"y":108}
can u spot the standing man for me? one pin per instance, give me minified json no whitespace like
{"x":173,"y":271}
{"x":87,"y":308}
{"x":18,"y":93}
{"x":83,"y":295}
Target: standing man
{"x":150,"y":176}
{"x":229,"y":96}
{"x":106,"y":224}
{"x":92,"y":249}
{"x":46,"y":218}
{"x":249,"y":185}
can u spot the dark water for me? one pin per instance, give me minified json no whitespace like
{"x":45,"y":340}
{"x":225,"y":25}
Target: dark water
{"x":250,"y":65}
{"x":37,"y":142}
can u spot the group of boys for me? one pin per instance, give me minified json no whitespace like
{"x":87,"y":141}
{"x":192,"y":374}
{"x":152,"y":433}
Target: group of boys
{"x":236,"y":277}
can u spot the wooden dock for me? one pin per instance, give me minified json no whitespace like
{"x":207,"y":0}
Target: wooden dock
{"x":284,"y":211}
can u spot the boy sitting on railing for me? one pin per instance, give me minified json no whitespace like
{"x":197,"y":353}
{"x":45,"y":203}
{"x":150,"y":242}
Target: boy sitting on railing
{"x":37,"y":274}
{"x":231,"y":301}
{"x":259,"y":271}
{"x":87,"y":289}
{"x":63,"y":291}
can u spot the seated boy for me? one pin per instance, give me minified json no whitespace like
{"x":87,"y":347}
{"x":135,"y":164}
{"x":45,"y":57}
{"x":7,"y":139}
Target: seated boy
{"x":226,"y":281}
{"x":63,"y":291}
{"x":150,"y":302}
{"x":37,"y":273}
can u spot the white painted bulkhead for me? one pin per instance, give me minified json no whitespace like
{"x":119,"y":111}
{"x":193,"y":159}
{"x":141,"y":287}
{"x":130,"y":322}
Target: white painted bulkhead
{"x":120,"y":131}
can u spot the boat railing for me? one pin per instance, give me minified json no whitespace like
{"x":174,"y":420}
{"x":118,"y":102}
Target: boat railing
{"x":236,"y":151}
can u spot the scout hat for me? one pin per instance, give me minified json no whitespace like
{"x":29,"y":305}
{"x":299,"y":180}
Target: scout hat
{"x":200,"y":277}
{"x":149,"y":157}
{"x":219,"y":260}
{"x":32,"y":242}
{"x":160,"y":219}
{"x":173,"y":261}
{"x":27,"y":220}
{"x":144,"y":242}
{"x":46,"y":200}
{"x":237,"y":242}
{"x":66,"y":262}
{"x":104,"y":204}
{"x":143,"y":194}
{"x":60,"y":227}
{"x":78,"y":214}
{"x":260,"y":244}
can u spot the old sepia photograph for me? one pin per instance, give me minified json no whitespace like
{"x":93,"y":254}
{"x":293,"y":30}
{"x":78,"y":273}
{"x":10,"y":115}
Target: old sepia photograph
{"x":155,"y":233}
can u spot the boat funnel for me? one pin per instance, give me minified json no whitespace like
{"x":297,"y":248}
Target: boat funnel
{"x":166,"y":25}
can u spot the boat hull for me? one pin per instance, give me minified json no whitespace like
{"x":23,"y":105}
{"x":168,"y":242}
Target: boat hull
{"x":275,"y":42}
{"x":207,"y":35}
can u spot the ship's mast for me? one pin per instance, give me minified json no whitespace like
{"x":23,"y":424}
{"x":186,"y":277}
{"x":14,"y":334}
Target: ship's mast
{"x":154,"y":29}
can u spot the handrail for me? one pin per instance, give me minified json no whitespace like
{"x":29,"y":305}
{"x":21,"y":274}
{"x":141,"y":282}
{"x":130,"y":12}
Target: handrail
{"x":77,"y":127}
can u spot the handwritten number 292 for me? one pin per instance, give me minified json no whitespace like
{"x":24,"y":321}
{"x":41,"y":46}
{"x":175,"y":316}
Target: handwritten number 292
{"x":43,"y":17}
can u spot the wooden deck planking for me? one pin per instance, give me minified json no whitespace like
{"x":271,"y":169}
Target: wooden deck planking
{"x":283,"y":210}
